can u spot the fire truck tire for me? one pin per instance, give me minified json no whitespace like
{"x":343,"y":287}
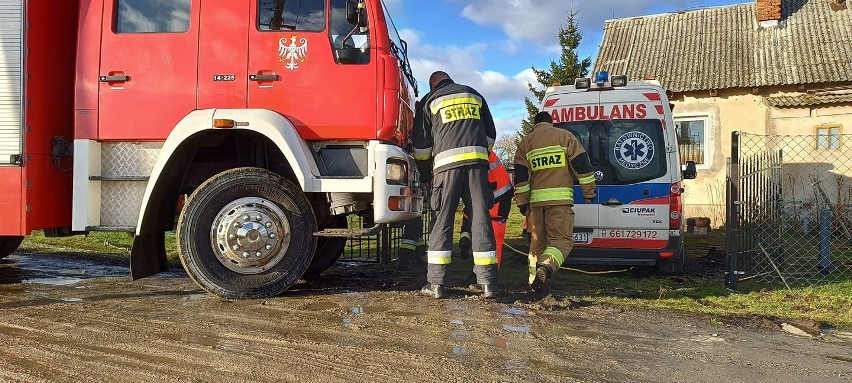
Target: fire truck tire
{"x":246,"y":233}
{"x":8,"y":244}
{"x":329,"y":250}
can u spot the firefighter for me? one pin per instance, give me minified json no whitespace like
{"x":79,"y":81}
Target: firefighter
{"x":501,"y":186}
{"x":454,"y":131}
{"x":547,"y":162}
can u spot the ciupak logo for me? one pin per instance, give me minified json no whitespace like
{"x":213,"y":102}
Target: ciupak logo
{"x":640,"y":211}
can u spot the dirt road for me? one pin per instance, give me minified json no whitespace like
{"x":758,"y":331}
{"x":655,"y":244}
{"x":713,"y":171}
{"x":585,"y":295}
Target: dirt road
{"x":80,"y":319}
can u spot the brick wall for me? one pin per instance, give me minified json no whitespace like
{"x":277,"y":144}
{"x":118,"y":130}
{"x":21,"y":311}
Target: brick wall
{"x":768,"y":10}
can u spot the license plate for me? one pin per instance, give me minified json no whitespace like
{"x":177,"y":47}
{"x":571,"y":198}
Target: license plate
{"x":581,"y":237}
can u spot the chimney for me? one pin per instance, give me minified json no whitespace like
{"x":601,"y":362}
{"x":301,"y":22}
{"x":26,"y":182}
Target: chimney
{"x":768,"y":12}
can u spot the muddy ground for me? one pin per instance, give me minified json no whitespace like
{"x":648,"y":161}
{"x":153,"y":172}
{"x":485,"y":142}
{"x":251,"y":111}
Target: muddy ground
{"x":79,"y":319}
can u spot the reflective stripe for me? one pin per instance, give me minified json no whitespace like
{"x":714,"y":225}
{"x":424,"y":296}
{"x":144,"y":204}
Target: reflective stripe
{"x":421,"y":242}
{"x":522,"y":189}
{"x":439,"y":257}
{"x":464,"y":235}
{"x":453,"y":100}
{"x":465,"y":153}
{"x":422,"y":154}
{"x":556,"y":254}
{"x":493,"y":165}
{"x":552,"y":194}
{"x":546,"y":150}
{"x":407,"y":246}
{"x":587,"y":179}
{"x":502,"y":190}
{"x":484,"y":258}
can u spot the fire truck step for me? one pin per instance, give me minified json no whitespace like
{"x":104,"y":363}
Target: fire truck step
{"x":125,"y":229}
{"x":349,"y":233}
{"x":119,"y":178}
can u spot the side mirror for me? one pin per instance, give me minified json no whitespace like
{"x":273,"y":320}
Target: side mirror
{"x":690,"y":172}
{"x":356,"y":15}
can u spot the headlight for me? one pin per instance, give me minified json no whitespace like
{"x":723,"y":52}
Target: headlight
{"x":397,"y":172}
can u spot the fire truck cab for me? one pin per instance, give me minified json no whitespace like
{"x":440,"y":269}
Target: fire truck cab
{"x":250,"y":128}
{"x":628,"y":132}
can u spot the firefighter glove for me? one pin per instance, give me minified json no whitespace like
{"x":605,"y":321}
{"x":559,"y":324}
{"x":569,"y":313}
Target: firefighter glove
{"x":523,"y":209}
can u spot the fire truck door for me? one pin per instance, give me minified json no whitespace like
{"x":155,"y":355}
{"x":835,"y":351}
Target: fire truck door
{"x":223,"y":55}
{"x":149,"y":67}
{"x":296,"y":68}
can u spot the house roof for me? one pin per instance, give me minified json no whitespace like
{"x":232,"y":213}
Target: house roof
{"x":809,"y":99}
{"x":723,"y":47}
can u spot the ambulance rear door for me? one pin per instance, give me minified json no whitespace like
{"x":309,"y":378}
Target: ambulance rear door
{"x":628,"y":148}
{"x":569,"y":109}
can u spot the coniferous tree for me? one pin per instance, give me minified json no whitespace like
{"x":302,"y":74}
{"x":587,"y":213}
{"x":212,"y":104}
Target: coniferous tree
{"x":562,"y":71}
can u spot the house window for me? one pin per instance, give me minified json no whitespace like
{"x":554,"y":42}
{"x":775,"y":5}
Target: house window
{"x":692,"y":139}
{"x":152,"y":16}
{"x":828,"y":137}
{"x":298,"y":15}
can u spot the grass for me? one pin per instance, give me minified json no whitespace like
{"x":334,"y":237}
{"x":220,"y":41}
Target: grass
{"x":700,"y":289}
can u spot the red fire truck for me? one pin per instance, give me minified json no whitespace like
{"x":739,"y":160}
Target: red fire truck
{"x":251,"y":128}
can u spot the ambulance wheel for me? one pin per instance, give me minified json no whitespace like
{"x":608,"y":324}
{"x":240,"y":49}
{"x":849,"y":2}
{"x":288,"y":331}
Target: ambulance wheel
{"x":9,"y":244}
{"x":246,"y":233}
{"x":674,"y":265}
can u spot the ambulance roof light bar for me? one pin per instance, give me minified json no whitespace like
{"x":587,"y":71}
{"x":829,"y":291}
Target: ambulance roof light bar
{"x":619,"y":81}
{"x":601,"y":78}
{"x":582,"y":83}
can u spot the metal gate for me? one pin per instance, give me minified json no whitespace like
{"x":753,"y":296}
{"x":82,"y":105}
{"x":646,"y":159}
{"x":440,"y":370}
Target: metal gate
{"x":379,"y":248}
{"x":789,"y":209}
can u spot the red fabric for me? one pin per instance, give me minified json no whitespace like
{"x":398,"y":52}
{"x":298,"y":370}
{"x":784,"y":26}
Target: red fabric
{"x":499,"y":235}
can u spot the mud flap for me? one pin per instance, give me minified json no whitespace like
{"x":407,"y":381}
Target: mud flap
{"x":148,"y":255}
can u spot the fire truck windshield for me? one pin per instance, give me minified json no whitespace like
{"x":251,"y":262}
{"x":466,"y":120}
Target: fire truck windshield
{"x":399,"y":48}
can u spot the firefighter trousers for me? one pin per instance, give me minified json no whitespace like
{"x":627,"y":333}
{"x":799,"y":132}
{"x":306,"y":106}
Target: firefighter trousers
{"x":412,"y":245}
{"x":470,"y":183}
{"x":551,"y":229}
{"x":499,"y":213}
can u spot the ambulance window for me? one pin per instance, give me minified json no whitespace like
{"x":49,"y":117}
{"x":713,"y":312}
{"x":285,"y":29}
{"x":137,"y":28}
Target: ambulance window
{"x":293,"y":15}
{"x":340,"y":28}
{"x":626,"y":151}
{"x":152,"y":16}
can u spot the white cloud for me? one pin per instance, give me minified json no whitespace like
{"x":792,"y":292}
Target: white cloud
{"x":538,"y":21}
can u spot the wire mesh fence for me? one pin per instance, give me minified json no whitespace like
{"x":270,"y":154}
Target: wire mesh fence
{"x":378,"y":248}
{"x":789,"y":209}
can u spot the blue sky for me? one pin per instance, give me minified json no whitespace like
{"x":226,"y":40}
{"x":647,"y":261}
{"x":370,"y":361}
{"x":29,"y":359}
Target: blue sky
{"x":492,"y":44}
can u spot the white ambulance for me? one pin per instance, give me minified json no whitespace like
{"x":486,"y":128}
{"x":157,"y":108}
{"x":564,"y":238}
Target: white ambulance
{"x":628,"y":132}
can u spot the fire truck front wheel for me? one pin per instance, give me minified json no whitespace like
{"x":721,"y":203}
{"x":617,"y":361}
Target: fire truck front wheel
{"x":8,"y":244}
{"x":246,"y":233}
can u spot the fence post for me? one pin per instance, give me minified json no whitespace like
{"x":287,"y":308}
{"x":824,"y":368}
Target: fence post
{"x":384,"y":247}
{"x":732,"y":229}
{"x":824,"y":265}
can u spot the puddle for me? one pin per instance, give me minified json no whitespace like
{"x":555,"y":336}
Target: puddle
{"x":511,"y":365}
{"x":457,"y":322}
{"x":71,"y":299}
{"x":524,"y":329}
{"x":404,"y":314}
{"x":322,"y":306}
{"x":367,"y":309}
{"x":459,"y":334}
{"x":497,"y":342}
{"x":208,"y":341}
{"x":347,"y":320}
{"x":454,"y":350}
{"x":514,"y":311}
{"x":58,"y":281}
{"x":197,"y":297}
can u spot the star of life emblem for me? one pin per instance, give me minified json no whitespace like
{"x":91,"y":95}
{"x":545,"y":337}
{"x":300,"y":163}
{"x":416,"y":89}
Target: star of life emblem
{"x":634,"y":150}
{"x":292,"y":54}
